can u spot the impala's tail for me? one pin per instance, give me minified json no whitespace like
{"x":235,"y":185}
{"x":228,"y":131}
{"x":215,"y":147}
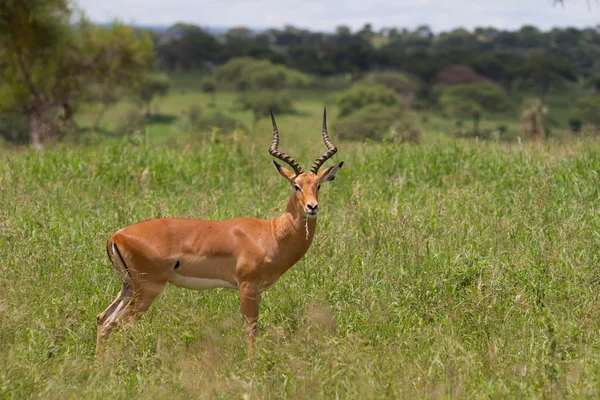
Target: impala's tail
{"x":119,"y":263}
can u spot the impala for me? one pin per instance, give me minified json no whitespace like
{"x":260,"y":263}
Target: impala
{"x":247,"y":254}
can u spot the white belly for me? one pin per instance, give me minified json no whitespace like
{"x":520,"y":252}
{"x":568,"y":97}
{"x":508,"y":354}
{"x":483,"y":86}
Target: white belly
{"x":199,"y":283}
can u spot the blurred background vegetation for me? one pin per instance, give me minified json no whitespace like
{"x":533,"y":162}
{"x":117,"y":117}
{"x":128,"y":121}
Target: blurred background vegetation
{"x":62,"y":77}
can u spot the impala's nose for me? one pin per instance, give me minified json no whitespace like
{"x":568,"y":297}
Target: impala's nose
{"x":312,"y":209}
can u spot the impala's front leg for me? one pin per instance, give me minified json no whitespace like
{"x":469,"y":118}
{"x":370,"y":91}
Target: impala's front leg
{"x":249,"y":298}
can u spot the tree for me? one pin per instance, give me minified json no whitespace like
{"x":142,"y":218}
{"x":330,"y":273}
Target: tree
{"x":48,"y":63}
{"x":360,"y":95}
{"x":308,"y":60}
{"x":241,"y":42}
{"x":378,"y":122}
{"x":406,"y":87}
{"x":187,"y":47}
{"x":545,"y":70}
{"x":474,"y":100}
{"x":151,"y":87}
{"x":246,"y":72}
{"x":209,"y":86}
{"x":458,"y":74}
{"x":260,"y":102}
{"x":503,"y":68}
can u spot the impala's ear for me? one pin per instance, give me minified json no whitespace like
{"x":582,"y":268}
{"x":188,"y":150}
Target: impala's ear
{"x":287,"y":174}
{"x":329,"y":174}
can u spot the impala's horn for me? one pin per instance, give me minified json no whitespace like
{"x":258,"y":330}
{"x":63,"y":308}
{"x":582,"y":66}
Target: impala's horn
{"x":331,"y":149}
{"x":282,"y":156}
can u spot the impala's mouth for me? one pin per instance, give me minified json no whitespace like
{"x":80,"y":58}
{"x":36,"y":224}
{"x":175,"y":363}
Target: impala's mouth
{"x":311,"y":213}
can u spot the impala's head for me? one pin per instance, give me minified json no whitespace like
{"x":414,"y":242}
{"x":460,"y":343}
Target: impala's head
{"x":306,"y":185}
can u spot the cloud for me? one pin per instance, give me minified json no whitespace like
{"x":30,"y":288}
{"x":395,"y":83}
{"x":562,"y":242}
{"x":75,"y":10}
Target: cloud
{"x":326,"y":15}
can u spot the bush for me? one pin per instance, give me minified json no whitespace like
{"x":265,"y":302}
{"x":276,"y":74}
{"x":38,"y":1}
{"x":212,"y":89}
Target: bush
{"x":245,"y":73}
{"x":359,"y":96}
{"x":594,"y":83}
{"x":404,"y":86}
{"x":133,"y":121}
{"x":575,"y":124}
{"x":534,"y":119}
{"x":231,"y":71}
{"x":259,"y":103}
{"x":586,"y":110}
{"x":378,"y":122}
{"x":193,"y":114}
{"x":14,"y":128}
{"x":208,"y":123}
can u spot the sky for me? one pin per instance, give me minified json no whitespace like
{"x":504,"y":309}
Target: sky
{"x":325,"y":15}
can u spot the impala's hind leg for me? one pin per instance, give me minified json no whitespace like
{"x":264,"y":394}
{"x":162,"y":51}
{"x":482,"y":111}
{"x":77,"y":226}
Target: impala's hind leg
{"x":137,"y":294}
{"x":108,"y":318}
{"x":144,"y":294}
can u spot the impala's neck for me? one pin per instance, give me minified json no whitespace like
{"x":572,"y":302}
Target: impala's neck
{"x":294,"y":227}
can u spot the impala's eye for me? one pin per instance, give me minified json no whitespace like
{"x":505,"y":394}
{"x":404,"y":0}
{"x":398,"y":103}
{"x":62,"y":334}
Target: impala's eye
{"x":298,"y":189}
{"x":318,"y":186}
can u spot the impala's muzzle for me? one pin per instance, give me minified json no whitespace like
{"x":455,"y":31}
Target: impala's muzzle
{"x":312,"y":210}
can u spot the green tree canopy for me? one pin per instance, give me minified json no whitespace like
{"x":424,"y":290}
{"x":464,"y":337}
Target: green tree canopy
{"x":187,"y":47}
{"x":361,"y":95}
{"x":150,"y":87}
{"x":405,"y":86}
{"x":474,"y":100}
{"x":260,"y":102}
{"x":260,"y":74}
{"x":545,"y":70}
{"x":49,"y":63}
{"x":377,"y":122}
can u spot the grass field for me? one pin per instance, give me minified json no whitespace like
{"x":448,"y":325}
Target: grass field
{"x":451,"y":269}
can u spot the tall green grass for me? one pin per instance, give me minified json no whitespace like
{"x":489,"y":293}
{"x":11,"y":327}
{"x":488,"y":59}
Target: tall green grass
{"x":449,"y":270}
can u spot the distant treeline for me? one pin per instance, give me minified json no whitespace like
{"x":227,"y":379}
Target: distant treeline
{"x":490,"y":51}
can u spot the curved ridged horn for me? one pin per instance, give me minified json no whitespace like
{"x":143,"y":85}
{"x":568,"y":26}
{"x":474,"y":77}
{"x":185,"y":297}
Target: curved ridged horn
{"x":282,"y":156}
{"x":331,"y":148}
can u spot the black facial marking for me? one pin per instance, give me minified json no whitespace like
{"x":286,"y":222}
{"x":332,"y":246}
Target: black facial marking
{"x":177,"y":264}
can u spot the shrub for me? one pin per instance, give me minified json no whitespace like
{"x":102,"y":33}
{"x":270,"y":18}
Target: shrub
{"x":534,"y":119}
{"x":245,"y":73}
{"x":359,"y":96}
{"x":404,"y":86}
{"x":193,"y":114}
{"x":224,"y":123}
{"x":575,"y":124}
{"x":586,"y":110}
{"x":594,"y":83}
{"x":378,"y":122}
{"x":133,"y":121}
{"x":14,"y":128}
{"x":231,"y":71}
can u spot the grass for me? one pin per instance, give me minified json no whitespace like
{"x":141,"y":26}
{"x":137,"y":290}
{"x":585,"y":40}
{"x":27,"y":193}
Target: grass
{"x":451,"y":269}
{"x":444,"y":270}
